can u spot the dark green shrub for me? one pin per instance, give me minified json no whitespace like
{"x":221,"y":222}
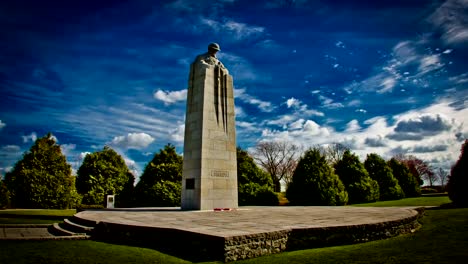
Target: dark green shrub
{"x":360,"y":187}
{"x":102,"y":173}
{"x":161,"y":182}
{"x":426,"y":190}
{"x":409,"y":184}
{"x":379,"y":170}
{"x":255,"y":186}
{"x":4,"y":196}
{"x":255,"y":194}
{"x":458,"y":180}
{"x":314,"y":183}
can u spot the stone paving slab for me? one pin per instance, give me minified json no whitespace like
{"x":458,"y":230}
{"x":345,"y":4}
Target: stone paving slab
{"x":8,"y":233}
{"x":250,"y":220}
{"x":32,"y":232}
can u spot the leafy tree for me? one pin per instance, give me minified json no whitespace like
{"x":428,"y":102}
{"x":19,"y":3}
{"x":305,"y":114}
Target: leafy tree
{"x":278,"y":158}
{"x":102,"y":173}
{"x":255,"y":185}
{"x":419,"y":168}
{"x":161,"y":182}
{"x":361,"y":188}
{"x":4,"y":195}
{"x":379,"y":170}
{"x":42,"y":178}
{"x":315,"y":183}
{"x":458,"y":180}
{"x":409,"y":184}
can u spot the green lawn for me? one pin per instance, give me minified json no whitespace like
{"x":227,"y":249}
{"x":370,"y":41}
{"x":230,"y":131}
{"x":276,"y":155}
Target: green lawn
{"x":443,"y":238}
{"x":34,"y":216}
{"x":417,"y":201}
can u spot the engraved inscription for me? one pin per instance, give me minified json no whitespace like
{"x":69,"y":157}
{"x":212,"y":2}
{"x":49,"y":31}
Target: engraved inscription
{"x":220,"y":174}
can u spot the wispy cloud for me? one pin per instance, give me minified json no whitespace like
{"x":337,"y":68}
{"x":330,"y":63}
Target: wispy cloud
{"x":301,"y":108}
{"x":30,"y":138}
{"x":329,"y":103}
{"x":451,"y":20}
{"x":264,"y":106}
{"x":237,"y":30}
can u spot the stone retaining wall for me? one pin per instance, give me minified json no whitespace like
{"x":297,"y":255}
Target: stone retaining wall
{"x":252,"y":246}
{"x":202,"y":247}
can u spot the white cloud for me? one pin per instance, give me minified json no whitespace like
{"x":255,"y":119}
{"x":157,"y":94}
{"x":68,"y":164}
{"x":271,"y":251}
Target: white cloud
{"x":30,"y":138}
{"x":442,"y":127}
{"x":171,"y":97}
{"x":133,"y":141}
{"x":178,"y":134}
{"x":83,"y":155}
{"x":353,"y":126}
{"x":264,"y":106}
{"x":297,"y":124}
{"x":2,"y":125}
{"x":292,"y":102}
{"x":67,"y":148}
{"x":239,"y":111}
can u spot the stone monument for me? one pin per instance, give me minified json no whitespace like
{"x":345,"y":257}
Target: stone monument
{"x":209,"y":178}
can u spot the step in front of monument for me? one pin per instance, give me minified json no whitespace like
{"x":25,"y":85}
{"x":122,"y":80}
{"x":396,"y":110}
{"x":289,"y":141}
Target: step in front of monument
{"x":250,"y":232}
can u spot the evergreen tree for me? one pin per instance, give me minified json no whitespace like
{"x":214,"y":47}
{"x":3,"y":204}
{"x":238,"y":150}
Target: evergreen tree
{"x":379,"y":170}
{"x":255,"y":186}
{"x":42,"y":178}
{"x":361,"y":188}
{"x":458,"y":179}
{"x":126,"y":197}
{"x":102,"y":173}
{"x":315,"y":183}
{"x":161,"y":182}
{"x":408,"y":183}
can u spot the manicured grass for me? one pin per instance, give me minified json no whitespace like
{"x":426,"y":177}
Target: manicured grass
{"x":34,"y":216}
{"x":443,"y":238}
{"x":79,"y":252}
{"x":429,"y":200}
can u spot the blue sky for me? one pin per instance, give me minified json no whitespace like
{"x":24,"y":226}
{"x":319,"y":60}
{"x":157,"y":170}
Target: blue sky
{"x":385,"y":77}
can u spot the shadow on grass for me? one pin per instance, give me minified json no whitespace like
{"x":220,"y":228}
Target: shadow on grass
{"x":33,"y":217}
{"x":446,"y":206}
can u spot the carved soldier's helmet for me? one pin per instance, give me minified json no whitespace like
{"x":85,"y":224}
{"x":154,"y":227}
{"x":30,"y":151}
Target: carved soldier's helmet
{"x":214,"y":46}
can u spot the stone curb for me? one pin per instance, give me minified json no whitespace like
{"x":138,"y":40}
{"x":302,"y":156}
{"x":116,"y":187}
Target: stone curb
{"x":25,"y":225}
{"x":46,"y":238}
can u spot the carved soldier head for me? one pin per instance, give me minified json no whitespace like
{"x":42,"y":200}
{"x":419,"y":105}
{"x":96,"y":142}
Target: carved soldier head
{"x":213,"y":48}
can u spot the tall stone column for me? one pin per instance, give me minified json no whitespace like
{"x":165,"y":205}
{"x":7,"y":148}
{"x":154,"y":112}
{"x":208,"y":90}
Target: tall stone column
{"x":210,"y":162}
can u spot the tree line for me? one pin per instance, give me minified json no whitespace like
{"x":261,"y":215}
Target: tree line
{"x":319,"y":176}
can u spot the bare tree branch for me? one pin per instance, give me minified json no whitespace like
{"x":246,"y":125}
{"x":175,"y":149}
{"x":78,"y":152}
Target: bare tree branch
{"x":278,"y":158}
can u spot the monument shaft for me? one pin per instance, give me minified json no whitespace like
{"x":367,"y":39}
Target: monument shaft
{"x":210,"y":162}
